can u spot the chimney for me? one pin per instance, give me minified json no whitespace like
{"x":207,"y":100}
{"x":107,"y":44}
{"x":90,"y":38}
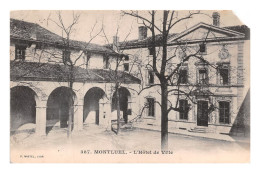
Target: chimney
{"x":142,"y":32}
{"x":115,"y":43}
{"x":216,"y":18}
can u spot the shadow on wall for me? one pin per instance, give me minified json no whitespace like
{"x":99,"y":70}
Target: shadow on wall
{"x":59,"y":105}
{"x":124,"y":95}
{"x":241,"y":126}
{"x":91,"y":105}
{"x":23,"y":110}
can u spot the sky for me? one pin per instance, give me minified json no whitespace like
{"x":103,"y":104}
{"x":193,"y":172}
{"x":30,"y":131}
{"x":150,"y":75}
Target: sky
{"x":114,"y":23}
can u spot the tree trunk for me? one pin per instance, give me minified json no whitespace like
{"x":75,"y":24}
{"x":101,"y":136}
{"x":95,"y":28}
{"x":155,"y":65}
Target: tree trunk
{"x":164,"y":117}
{"x":118,"y":111}
{"x":71,"y":105}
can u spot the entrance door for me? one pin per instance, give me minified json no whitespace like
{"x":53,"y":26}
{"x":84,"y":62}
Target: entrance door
{"x":202,"y":113}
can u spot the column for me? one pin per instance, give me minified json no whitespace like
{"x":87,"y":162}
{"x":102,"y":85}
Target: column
{"x":102,"y":115}
{"x":107,"y":113}
{"x":41,"y":118}
{"x":78,"y":117}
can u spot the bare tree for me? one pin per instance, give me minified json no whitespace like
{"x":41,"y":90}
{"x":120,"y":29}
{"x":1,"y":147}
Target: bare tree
{"x":67,"y":59}
{"x":162,"y":25}
{"x":62,"y":53}
{"x":117,"y":73}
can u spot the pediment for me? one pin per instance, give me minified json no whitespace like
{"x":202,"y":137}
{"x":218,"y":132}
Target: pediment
{"x":204,"y":31}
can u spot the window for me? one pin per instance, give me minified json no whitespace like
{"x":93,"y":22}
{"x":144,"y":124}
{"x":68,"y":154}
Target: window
{"x":150,"y":77}
{"x":66,"y":55}
{"x":106,"y":62}
{"x":151,"y":52}
{"x":150,"y":103}
{"x":202,"y":48}
{"x":224,"y":112}
{"x":183,"y":77}
{"x":20,"y":52}
{"x":203,"y":76}
{"x":224,"y":76}
{"x":126,"y":58}
{"x":126,"y":66}
{"x":88,"y":58}
{"x":183,"y":109}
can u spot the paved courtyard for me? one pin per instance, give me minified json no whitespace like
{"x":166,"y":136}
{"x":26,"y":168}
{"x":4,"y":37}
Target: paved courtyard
{"x":184,"y":148}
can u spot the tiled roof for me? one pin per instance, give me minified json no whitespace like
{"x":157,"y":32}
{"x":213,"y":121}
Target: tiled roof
{"x":34,"y":71}
{"x":140,"y":43}
{"x":242,"y":29}
{"x":33,"y":32}
{"x":158,"y":38}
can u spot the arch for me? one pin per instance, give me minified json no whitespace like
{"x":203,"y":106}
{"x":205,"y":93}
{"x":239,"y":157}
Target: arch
{"x":91,"y":111}
{"x":124,"y":100}
{"x":23,"y":109}
{"x":60,"y":104}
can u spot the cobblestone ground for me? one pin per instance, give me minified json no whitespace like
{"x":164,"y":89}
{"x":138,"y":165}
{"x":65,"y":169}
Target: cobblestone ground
{"x":95,"y":138}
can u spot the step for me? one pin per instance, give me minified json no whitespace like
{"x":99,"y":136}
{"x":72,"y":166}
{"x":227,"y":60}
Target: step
{"x":201,"y":130}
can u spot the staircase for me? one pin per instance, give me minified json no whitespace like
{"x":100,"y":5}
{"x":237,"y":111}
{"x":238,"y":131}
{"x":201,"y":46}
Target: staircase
{"x":125,"y":126}
{"x":201,"y":129}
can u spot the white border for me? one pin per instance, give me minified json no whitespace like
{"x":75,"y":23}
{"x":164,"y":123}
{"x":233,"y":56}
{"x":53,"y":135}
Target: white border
{"x":247,"y":11}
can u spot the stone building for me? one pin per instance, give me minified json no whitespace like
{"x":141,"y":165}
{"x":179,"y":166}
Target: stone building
{"x":41,"y":97}
{"x":40,"y":94}
{"x":217,"y":88}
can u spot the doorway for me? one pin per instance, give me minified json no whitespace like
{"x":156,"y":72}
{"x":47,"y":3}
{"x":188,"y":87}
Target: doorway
{"x":202,"y":113}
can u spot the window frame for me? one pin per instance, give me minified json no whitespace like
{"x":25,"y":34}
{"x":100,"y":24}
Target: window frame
{"x":220,"y":80}
{"x":150,"y":77}
{"x":150,"y":51}
{"x":206,"y":79}
{"x":126,"y":64}
{"x":223,"y":119}
{"x":205,"y":49}
{"x":148,"y":101}
{"x":105,"y":62}
{"x":183,"y":103}
{"x":180,"y":79}
{"x":88,"y":56}
{"x":20,"y":56}
{"x":66,"y":54}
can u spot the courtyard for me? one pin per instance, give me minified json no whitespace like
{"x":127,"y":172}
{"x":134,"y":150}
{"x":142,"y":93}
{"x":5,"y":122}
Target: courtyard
{"x":96,"y":144}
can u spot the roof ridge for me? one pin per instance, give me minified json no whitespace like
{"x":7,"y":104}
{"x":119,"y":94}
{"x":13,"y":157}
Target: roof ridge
{"x":21,"y":20}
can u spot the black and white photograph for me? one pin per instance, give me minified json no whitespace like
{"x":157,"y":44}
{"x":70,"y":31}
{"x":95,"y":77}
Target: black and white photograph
{"x":129,"y":86}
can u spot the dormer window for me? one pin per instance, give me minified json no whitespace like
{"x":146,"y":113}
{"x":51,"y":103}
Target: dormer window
{"x":20,"y":52}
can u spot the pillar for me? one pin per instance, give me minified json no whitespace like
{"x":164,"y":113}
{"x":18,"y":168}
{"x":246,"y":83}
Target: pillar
{"x":41,"y":108}
{"x":78,"y":117}
{"x":107,"y":113}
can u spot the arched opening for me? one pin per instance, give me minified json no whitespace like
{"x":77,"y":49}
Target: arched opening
{"x":91,"y":111}
{"x":59,"y":105}
{"x":124,"y":103}
{"x":23,"y":109}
